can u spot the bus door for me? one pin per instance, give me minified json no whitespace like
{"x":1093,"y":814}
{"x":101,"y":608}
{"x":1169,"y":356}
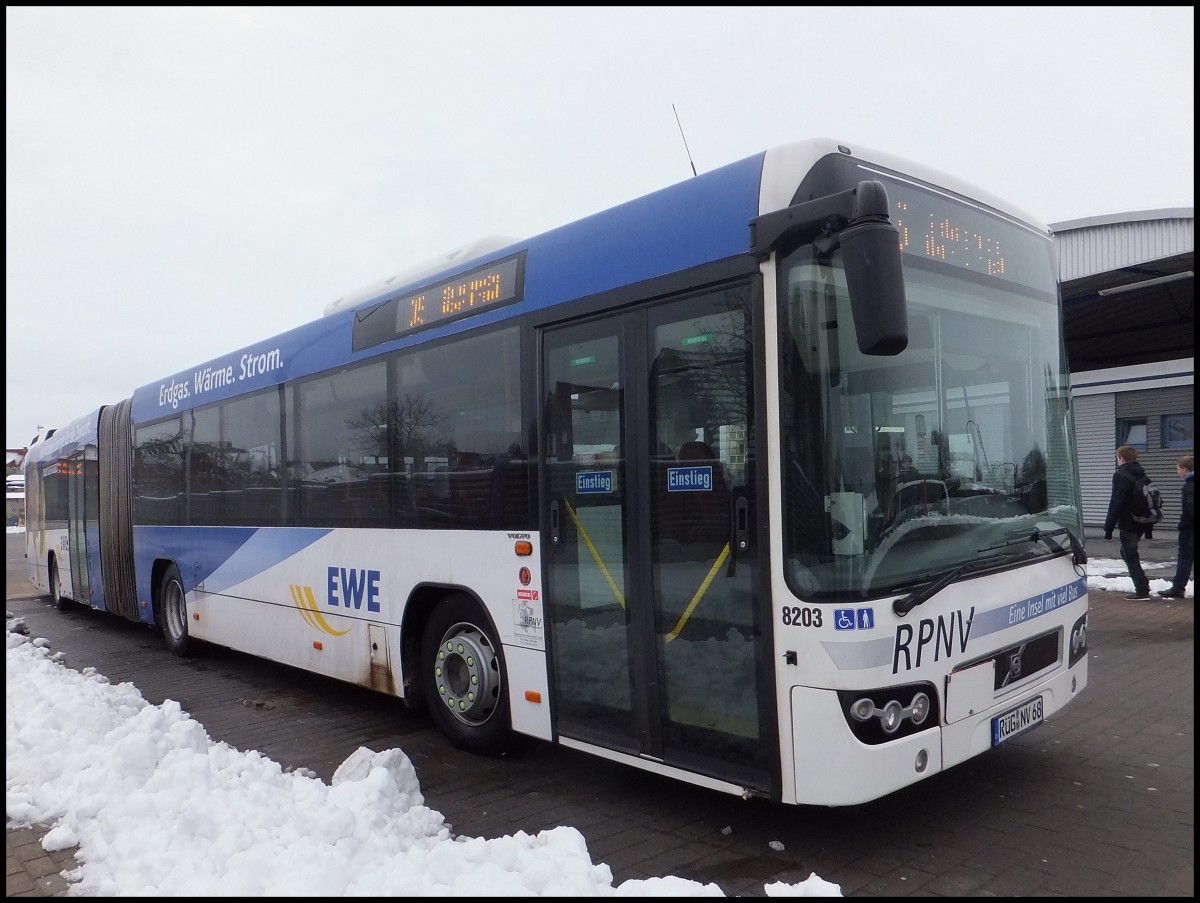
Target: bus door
{"x":77,"y":527}
{"x":650,"y":550}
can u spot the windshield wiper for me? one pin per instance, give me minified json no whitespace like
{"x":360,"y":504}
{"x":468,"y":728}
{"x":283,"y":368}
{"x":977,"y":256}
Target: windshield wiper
{"x":1078,"y":555}
{"x":903,"y":606}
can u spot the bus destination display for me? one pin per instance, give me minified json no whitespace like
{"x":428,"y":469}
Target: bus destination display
{"x":967,"y":237}
{"x":480,"y":289}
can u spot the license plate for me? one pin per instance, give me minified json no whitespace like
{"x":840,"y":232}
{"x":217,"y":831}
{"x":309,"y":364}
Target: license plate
{"x":1024,"y":717}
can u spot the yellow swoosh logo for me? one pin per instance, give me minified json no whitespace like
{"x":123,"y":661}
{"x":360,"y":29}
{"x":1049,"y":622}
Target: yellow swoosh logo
{"x":302,"y":598}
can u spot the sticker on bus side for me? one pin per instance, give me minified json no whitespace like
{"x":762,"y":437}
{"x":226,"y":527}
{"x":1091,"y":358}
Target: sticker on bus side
{"x":593,"y":481}
{"x":527,"y":620}
{"x":690,"y":479}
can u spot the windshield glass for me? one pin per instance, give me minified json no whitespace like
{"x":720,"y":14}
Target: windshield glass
{"x":898,"y":468}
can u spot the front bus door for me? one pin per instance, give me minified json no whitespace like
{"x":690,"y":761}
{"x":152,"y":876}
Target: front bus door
{"x":650,"y":550}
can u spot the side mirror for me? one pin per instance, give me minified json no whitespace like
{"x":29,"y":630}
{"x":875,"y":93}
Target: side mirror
{"x":858,"y":221}
{"x":874,"y":274}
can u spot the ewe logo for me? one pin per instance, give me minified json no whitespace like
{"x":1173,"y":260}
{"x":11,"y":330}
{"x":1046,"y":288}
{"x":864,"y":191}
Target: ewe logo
{"x":344,"y":587}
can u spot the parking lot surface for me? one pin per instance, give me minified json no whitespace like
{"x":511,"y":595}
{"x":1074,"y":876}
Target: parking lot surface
{"x":1099,"y":801}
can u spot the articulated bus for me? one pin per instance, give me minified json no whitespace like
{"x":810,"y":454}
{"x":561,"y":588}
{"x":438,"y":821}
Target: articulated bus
{"x":765,"y":481}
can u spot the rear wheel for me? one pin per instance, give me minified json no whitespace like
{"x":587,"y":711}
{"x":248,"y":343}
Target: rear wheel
{"x":172,"y":612}
{"x":464,"y":679}
{"x":56,"y":593}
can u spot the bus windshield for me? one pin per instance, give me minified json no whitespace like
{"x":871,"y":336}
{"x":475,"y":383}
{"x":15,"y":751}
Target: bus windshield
{"x":898,"y":468}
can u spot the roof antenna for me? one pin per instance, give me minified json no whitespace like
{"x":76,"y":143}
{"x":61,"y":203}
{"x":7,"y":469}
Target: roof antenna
{"x":684,"y":137}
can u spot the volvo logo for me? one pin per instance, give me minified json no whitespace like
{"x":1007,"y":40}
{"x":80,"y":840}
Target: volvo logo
{"x":1014,"y":665}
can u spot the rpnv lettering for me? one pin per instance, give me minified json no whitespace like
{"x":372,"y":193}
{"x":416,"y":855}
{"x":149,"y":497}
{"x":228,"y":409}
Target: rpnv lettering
{"x":349,"y":586}
{"x":943,"y":637}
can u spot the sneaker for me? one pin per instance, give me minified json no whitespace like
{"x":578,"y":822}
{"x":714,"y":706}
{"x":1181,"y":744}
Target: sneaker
{"x":1138,"y":597}
{"x":1171,"y":593}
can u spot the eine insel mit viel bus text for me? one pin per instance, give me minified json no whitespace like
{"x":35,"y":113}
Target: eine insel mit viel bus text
{"x":765,"y":481}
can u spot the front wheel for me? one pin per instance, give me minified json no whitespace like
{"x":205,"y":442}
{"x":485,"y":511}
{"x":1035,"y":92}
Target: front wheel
{"x":172,"y":612}
{"x":463,"y":675}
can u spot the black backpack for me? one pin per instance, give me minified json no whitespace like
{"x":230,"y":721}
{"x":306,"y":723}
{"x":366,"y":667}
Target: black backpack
{"x":1145,"y":502}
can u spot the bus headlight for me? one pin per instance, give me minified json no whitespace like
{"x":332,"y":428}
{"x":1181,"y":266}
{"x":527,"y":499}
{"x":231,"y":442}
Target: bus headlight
{"x":920,"y":708}
{"x":863,"y":710}
{"x":891,"y":717}
{"x":1077,"y":645}
{"x":877,"y":716}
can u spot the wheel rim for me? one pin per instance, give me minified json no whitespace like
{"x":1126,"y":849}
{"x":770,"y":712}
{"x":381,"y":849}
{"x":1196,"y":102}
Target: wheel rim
{"x":466,"y":673}
{"x":55,"y":591}
{"x":175,"y":610}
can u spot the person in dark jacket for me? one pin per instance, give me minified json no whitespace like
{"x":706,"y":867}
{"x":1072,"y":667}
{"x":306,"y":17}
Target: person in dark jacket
{"x":1185,"y":466}
{"x":1124,"y":484}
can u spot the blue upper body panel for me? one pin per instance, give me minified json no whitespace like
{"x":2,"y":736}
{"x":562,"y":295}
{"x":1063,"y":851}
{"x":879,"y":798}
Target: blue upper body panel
{"x":66,"y":440}
{"x":701,"y":220}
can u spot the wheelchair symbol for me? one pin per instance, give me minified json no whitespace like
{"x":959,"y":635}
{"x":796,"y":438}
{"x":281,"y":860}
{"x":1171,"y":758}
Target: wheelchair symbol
{"x":843,"y":619}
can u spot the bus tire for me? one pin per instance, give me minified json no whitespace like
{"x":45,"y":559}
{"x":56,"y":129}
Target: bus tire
{"x":56,"y":593}
{"x":171,"y":608}
{"x":464,"y":677}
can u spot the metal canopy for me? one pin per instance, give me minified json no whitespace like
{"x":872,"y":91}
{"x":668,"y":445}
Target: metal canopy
{"x":1128,"y":288}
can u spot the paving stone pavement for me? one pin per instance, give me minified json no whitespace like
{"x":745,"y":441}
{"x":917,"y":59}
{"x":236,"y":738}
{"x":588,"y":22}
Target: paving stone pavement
{"x":29,"y":871}
{"x":1140,"y":845}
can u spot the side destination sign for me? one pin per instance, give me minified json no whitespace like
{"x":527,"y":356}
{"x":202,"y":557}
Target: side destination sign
{"x":482,"y":288}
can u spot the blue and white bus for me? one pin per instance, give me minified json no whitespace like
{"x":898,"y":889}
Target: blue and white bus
{"x":764,"y":481}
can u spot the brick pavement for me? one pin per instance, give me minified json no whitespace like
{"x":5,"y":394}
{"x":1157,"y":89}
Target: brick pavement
{"x":29,"y":871}
{"x":969,"y":832}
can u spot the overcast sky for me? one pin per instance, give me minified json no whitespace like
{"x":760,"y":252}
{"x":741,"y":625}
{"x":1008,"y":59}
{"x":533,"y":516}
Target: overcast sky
{"x":185,"y":181}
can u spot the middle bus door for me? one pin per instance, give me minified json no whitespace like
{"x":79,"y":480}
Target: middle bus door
{"x":650,"y":550}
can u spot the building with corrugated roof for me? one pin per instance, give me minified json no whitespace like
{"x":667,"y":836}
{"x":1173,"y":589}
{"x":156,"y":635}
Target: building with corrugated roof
{"x":14,"y":460}
{"x":1128,"y":288}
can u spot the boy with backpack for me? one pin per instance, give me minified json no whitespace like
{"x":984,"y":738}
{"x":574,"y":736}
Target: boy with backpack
{"x":1185,"y":466}
{"x":1130,"y":512}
